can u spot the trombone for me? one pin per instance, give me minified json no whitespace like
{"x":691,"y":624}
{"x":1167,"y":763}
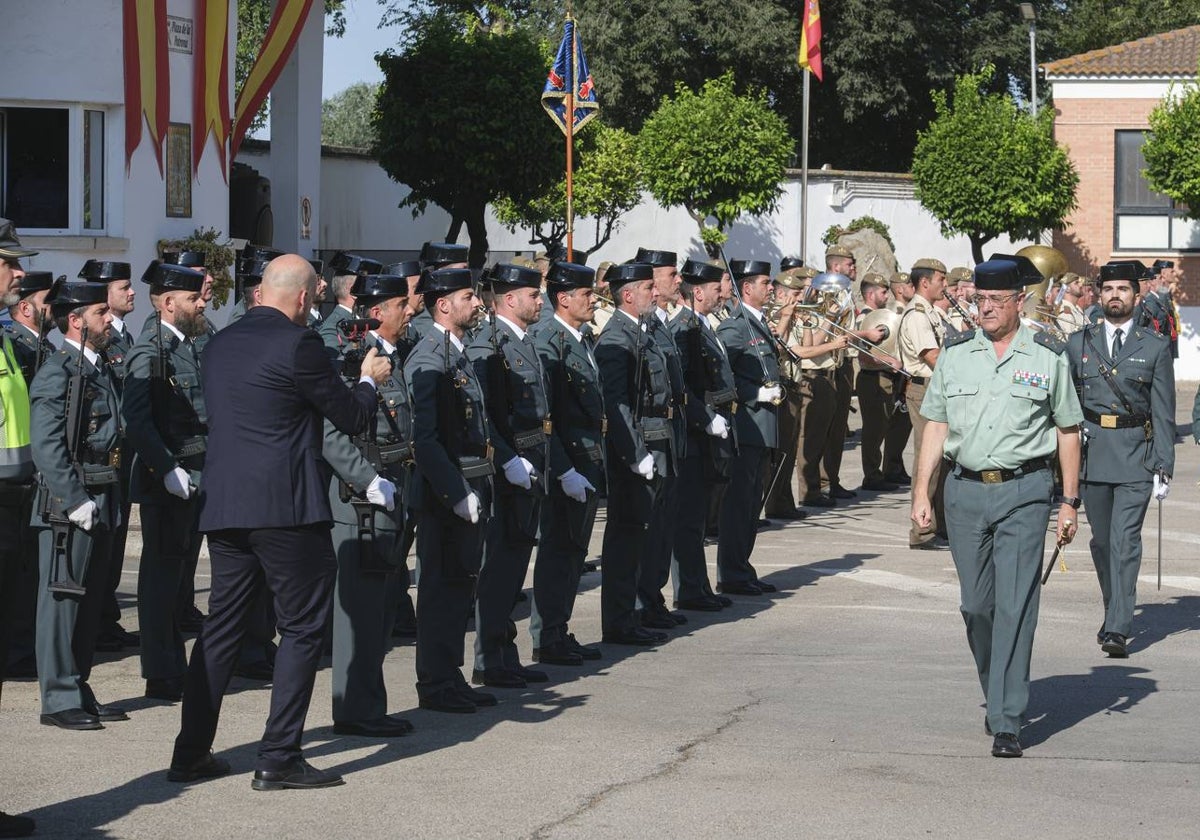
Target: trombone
{"x":811,"y":317}
{"x":962,"y":313}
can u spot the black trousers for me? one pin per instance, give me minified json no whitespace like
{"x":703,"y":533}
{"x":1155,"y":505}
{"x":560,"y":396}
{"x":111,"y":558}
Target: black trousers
{"x":11,"y":561}
{"x":298,"y":566}
{"x":739,"y":516}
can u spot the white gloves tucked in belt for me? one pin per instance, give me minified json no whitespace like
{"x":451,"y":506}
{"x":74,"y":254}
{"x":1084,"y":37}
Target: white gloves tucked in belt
{"x":718,"y":427}
{"x":382,"y":492}
{"x":468,"y":508}
{"x":645,"y":467}
{"x":769,"y":393}
{"x":85,"y":515}
{"x":519,"y":472}
{"x":575,"y":485}
{"x":178,"y":483}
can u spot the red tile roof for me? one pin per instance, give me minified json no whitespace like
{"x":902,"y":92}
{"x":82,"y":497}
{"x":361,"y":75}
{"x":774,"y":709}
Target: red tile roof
{"x":1172,"y":53}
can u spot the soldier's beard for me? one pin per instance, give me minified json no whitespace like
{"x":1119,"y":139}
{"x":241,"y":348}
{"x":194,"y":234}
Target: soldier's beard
{"x":11,"y":299}
{"x":100,"y":341}
{"x":193,"y":325}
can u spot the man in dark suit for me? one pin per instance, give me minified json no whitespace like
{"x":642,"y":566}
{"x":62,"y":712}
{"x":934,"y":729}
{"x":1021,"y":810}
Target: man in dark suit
{"x":264,"y":506}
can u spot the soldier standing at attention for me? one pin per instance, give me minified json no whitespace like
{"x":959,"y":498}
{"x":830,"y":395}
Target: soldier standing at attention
{"x":453,"y":451}
{"x":1070,"y":316}
{"x":508,"y":366}
{"x":75,"y":432}
{"x":1126,"y":383}
{"x":31,"y":322}
{"x":637,"y":393}
{"x":346,"y":269}
{"x":712,"y":440}
{"x":786,"y":290}
{"x":433,"y":257}
{"x":251,"y":264}
{"x":922,"y":330}
{"x":878,"y":386}
{"x":372,"y":473}
{"x":752,"y":357}
{"x":839,"y":260}
{"x":167,"y":421}
{"x":577,"y":463}
{"x":1000,"y":402}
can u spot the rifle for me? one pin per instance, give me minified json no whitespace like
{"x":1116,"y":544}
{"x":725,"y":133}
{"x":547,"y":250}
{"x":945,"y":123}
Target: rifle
{"x":499,"y":387}
{"x":62,"y":530}
{"x":737,"y":293}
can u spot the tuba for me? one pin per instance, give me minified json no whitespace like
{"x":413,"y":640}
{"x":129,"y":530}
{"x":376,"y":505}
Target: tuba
{"x":1039,"y":308}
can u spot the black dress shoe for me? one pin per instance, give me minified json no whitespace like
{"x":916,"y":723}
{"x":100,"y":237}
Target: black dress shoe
{"x":170,"y":689}
{"x":298,"y":775}
{"x":109,"y":643}
{"x":935,"y":544}
{"x":787,"y":515}
{"x":903,"y":479}
{"x":208,"y":767}
{"x":497,"y":678}
{"x":192,"y":621}
{"x":658,"y":619}
{"x":880,"y":486}
{"x":766,"y":587}
{"x":590,"y":566}
{"x":479,"y":698}
{"x":1115,"y":645}
{"x":530,"y":675}
{"x":1006,"y":745}
{"x":723,"y":601}
{"x":404,"y":631}
{"x":15,"y":826}
{"x":447,"y":700}
{"x":762,"y":524}
{"x":557,"y":653}
{"x":586,"y":651}
{"x":839,"y":492}
{"x":821,"y":501}
{"x":747,"y":588}
{"x":107,"y":714}
{"x":76,"y":719}
{"x":384,"y":727}
{"x":703,"y":604}
{"x":262,"y":671}
{"x":635,"y":636}
{"x":127,"y":639}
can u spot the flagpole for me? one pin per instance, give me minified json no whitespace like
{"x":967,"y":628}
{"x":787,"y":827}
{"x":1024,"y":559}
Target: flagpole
{"x":570,"y":126}
{"x":804,"y":174}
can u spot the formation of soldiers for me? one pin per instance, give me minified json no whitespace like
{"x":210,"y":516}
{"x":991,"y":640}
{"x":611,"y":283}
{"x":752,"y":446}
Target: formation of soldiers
{"x":508,"y":419}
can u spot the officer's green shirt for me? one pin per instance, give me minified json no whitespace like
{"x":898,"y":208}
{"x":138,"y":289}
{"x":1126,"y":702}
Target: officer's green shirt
{"x":1001,"y":412}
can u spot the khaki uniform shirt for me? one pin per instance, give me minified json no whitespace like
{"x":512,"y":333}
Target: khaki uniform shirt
{"x":814,"y":338}
{"x":922,"y":327}
{"x":602,"y":316}
{"x":1071,"y":318}
{"x":1002,"y":412}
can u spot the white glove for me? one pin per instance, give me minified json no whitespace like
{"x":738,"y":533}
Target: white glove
{"x":178,"y":483}
{"x":382,"y":492}
{"x":85,"y":515}
{"x":468,"y":508}
{"x":645,"y":467}
{"x":769,"y":393}
{"x":575,"y":485}
{"x":718,"y":427}
{"x":519,"y":472}
{"x":1162,"y":487}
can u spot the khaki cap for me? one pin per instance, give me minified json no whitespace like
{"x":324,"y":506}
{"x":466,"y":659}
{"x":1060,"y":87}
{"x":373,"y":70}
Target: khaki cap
{"x":873,"y":278}
{"x":959,"y":274}
{"x":930,"y":264}
{"x":795,"y":278}
{"x":839,"y":251}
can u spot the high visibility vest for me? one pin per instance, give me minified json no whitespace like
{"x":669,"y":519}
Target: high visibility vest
{"x":16,"y":455}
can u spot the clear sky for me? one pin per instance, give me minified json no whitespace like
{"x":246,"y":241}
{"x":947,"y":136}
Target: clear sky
{"x":351,"y":58}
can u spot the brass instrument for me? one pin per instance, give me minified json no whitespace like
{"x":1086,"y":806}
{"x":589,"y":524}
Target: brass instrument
{"x":602,"y":301}
{"x":962,"y":313}
{"x":1052,"y":265}
{"x":833,"y":306}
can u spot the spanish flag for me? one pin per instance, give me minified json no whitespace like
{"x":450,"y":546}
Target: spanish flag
{"x":810,"y":39}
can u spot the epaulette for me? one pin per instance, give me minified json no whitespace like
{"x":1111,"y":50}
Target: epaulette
{"x":1142,"y":332}
{"x":960,"y":338}
{"x":1050,"y":342}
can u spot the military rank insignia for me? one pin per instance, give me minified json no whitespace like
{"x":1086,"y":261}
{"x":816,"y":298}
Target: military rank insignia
{"x":1033,"y":380}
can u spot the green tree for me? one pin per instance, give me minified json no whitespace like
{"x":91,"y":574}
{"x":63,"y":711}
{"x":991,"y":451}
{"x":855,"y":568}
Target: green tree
{"x":346,"y":117}
{"x":986,"y":167}
{"x":715,"y":153}
{"x":607,"y":185}
{"x":253,"y":18}
{"x":460,"y":123}
{"x":1077,"y":26}
{"x":1172,"y":147}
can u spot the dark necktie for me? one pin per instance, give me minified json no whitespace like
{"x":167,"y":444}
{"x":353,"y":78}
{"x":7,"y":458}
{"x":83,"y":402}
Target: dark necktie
{"x":1117,"y":343}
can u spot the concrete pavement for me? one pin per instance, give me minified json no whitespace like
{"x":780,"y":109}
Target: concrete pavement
{"x":845,"y":706}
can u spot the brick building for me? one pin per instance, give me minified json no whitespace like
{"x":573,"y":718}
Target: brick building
{"x":1102,"y":100}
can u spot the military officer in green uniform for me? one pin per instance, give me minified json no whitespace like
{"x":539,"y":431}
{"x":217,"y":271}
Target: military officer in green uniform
{"x":433,"y":257}
{"x":755,"y":364}
{"x":75,"y":430}
{"x":637,"y":395}
{"x":508,"y":366}
{"x":346,"y":269}
{"x":712,"y":439}
{"x":371,"y":477}
{"x":1126,"y":383}
{"x":166,"y":421}
{"x":31,"y":322}
{"x":577,"y":464}
{"x":999,"y":403}
{"x":453,"y":451}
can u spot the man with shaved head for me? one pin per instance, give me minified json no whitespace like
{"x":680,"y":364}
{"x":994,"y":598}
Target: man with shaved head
{"x":268,"y":386}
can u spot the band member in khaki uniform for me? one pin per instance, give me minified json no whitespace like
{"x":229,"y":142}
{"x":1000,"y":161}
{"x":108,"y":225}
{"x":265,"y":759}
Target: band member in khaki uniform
{"x":879,"y":387}
{"x":840,"y":260}
{"x":922,"y":330}
{"x":1070,"y":313}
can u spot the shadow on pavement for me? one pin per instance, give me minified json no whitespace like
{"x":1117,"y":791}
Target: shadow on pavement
{"x":1155,"y":622}
{"x":1066,"y":699}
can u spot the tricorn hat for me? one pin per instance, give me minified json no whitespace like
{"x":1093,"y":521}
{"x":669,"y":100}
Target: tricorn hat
{"x":345,"y":263}
{"x":742,"y":269}
{"x":699,"y":271}
{"x":1132,"y":270}
{"x":404,"y":268}
{"x":379,"y":286}
{"x":507,"y":274}
{"x":788,"y":263}
{"x":67,"y":294}
{"x":630,"y":272}
{"x":103,"y":271}
{"x":168,"y":277}
{"x":438,"y":254}
{"x":444,"y":281}
{"x":1000,"y":274}
{"x":566,"y":275}
{"x":656,"y":258}
{"x":188,"y":259}
{"x":34,"y":282}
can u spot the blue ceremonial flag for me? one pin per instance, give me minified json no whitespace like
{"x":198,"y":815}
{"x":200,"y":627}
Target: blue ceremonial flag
{"x":568,"y":74}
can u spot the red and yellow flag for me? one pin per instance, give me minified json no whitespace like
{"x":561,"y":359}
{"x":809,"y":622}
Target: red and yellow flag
{"x":810,"y":39}
{"x":147,"y":74}
{"x":287,"y":21}
{"x":210,"y":93}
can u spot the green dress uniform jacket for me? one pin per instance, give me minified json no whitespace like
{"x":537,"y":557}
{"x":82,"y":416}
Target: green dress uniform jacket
{"x":25,"y":347}
{"x":328,"y":330}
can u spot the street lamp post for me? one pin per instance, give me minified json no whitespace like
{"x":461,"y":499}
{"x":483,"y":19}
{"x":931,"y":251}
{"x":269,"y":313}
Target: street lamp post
{"x":1029,"y":15}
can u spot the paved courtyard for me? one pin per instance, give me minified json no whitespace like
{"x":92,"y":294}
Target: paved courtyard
{"x":844,"y":706}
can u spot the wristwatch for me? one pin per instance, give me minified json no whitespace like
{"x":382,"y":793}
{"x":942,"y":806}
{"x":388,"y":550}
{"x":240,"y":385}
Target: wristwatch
{"x":1073,"y":501}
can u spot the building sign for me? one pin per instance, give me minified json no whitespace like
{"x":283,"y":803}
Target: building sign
{"x":179,"y":34}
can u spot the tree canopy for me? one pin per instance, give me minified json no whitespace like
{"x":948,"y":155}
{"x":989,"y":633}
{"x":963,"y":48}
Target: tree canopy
{"x":346,"y":117}
{"x":716,"y":153}
{"x":984,"y":167}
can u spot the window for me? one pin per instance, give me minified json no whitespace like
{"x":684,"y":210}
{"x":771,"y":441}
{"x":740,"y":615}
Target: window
{"x":52,"y":174}
{"x":1145,"y":220}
